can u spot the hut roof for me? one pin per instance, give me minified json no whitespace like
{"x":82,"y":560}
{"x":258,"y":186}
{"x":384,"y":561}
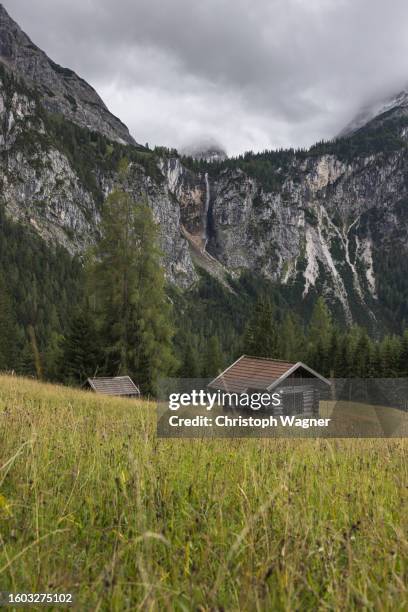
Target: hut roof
{"x":117,"y":385}
{"x":257,"y":373}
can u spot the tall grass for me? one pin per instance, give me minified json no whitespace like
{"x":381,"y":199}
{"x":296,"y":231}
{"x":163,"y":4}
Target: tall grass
{"x":91,"y":502}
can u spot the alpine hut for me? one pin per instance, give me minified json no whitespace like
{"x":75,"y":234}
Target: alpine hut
{"x":300,"y":386}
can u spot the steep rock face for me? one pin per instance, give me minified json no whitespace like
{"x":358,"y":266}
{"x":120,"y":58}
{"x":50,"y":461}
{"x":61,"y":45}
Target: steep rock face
{"x":324,"y":229}
{"x":192,"y":193}
{"x":38,"y":185}
{"x":61,"y":90}
{"x":41,"y":188}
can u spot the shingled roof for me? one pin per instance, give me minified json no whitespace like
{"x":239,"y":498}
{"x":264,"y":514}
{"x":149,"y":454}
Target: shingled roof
{"x":117,"y":385}
{"x":256,"y":373}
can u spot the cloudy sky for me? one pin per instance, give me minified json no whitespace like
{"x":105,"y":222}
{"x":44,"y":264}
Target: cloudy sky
{"x":250,"y":74}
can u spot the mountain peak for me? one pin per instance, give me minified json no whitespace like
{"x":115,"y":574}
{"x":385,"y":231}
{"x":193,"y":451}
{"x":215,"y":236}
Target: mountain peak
{"x":205,"y":150}
{"x":375,"y":110}
{"x":10,"y":32}
{"x":61,"y":90}
{"x":3,"y":11}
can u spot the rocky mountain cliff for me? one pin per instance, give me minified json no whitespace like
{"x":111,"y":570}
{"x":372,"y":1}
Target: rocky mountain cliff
{"x":329,"y":226}
{"x":331,"y":220}
{"x":60,"y":89}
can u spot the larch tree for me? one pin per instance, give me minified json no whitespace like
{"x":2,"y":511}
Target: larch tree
{"x":129,"y":294}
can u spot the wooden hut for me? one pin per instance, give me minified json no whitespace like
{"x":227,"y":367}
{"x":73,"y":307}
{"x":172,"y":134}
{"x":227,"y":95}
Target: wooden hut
{"x":300,"y":386}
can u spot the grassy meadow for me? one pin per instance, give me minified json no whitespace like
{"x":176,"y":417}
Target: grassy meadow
{"x":92,"y":503}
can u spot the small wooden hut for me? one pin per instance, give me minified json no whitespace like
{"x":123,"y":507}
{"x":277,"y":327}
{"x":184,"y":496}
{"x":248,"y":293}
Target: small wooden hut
{"x":300,"y":386}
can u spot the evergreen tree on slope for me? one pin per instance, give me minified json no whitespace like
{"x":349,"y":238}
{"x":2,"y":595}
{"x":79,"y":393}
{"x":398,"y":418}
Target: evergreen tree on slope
{"x":261,"y":336}
{"x":129,"y":289}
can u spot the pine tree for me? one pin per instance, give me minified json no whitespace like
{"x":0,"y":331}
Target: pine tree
{"x":129,"y":291}
{"x":214,"y":359}
{"x":53,"y":357}
{"x":353,"y":336}
{"x":361,"y":356}
{"x":319,"y":335}
{"x":320,"y":326}
{"x":81,"y":355}
{"x":318,"y":358}
{"x":261,"y":336}
{"x":190,"y":365}
{"x":333,"y":353}
{"x":26,"y":362}
{"x":8,"y":330}
{"x":390,"y":357}
{"x":291,"y":339}
{"x":403,"y":359}
{"x":375,"y":365}
{"x":344,"y":359}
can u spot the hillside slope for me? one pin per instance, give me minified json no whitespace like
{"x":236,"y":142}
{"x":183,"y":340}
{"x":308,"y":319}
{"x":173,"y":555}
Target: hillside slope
{"x":92,"y":503}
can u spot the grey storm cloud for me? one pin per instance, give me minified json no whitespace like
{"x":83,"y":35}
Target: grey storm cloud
{"x":250,"y":74}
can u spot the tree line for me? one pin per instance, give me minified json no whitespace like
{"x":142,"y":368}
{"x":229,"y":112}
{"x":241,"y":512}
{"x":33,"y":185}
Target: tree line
{"x":331,"y":351}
